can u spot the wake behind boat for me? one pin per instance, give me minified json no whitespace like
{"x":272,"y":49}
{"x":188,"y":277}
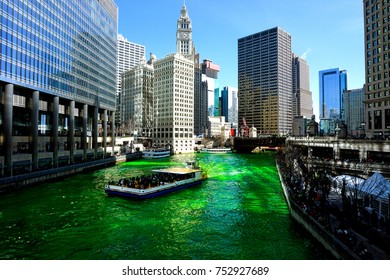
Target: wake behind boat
{"x":162,"y":181}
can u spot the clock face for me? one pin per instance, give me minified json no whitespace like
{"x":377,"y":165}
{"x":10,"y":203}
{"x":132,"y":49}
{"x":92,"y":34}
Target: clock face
{"x":184,"y":35}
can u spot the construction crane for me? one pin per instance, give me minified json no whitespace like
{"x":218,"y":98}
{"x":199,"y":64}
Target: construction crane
{"x":244,"y":128}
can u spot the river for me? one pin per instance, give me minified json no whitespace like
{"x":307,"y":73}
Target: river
{"x":239,"y":212}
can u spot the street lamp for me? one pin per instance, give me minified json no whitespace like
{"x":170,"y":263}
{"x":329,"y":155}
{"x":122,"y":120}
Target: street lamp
{"x":337,"y":129}
{"x":363,"y":124}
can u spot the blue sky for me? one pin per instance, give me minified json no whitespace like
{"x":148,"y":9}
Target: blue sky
{"x":330,"y":33}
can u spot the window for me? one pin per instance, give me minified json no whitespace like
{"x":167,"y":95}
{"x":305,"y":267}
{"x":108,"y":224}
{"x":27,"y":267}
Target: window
{"x":378,"y":119}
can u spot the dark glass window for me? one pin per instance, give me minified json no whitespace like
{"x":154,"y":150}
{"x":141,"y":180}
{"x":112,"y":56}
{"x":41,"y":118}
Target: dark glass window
{"x":378,"y":119}
{"x":387,"y":118}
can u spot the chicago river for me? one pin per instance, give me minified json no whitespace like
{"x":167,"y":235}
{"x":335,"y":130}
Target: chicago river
{"x":239,"y":212}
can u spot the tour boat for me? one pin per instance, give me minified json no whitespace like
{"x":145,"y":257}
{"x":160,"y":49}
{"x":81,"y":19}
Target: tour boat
{"x":221,"y":150}
{"x":160,"y":182}
{"x":262,"y":149}
{"x":156,"y":153}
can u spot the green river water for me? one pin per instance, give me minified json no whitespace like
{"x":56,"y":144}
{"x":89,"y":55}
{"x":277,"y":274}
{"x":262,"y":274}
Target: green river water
{"x":239,"y":212}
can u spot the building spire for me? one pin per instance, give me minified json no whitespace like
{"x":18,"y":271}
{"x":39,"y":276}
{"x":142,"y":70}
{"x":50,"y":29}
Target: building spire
{"x":184,"y":12}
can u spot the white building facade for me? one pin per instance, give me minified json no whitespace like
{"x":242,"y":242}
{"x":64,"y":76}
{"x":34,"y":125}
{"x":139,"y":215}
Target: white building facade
{"x":137,"y":99}
{"x":128,"y":56}
{"x":302,"y":96}
{"x":174,"y":103}
{"x":173,"y":99}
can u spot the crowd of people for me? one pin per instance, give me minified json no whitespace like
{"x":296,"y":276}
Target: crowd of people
{"x":151,"y":180}
{"x":310,"y":190}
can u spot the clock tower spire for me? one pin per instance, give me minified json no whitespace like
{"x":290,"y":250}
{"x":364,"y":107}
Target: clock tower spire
{"x":184,"y":44}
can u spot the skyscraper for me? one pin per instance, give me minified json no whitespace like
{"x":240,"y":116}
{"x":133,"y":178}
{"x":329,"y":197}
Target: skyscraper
{"x":200,"y":99}
{"x":353,"y":111}
{"x":210,"y":72}
{"x":377,"y":63}
{"x":333,"y":83}
{"x":173,"y":103}
{"x":129,"y":55}
{"x":302,"y":96}
{"x":173,"y":100}
{"x":57,"y":81}
{"x":137,"y":98}
{"x":229,"y":105}
{"x":265,"y":81}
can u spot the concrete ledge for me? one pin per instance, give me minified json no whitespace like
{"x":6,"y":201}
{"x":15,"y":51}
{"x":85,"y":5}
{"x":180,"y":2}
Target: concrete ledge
{"x":8,"y":184}
{"x":327,"y":239}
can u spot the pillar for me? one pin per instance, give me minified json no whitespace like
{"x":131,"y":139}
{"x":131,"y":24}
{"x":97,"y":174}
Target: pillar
{"x":84,"y":134}
{"x":34,"y":128}
{"x":112,"y":132}
{"x":362,"y":155}
{"x":54,"y":130}
{"x":336,"y":151}
{"x":95,"y":130}
{"x":104,"y":133}
{"x":71,"y":131}
{"x":8,"y":140}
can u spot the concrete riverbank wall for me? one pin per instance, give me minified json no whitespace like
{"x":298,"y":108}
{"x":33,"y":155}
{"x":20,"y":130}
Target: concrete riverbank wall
{"x":326,"y":238}
{"x":13,"y":183}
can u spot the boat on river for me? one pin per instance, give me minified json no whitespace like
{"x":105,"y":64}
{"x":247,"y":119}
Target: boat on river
{"x":160,"y":182}
{"x":156,"y":153}
{"x":262,"y":149}
{"x":221,"y":150}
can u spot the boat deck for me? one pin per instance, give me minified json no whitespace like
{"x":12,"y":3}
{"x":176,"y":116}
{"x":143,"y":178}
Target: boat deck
{"x":151,"y":192}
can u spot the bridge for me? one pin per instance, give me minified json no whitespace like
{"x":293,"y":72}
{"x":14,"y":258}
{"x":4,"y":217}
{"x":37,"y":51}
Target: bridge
{"x":344,"y":156}
{"x":340,"y":156}
{"x":247,"y":145}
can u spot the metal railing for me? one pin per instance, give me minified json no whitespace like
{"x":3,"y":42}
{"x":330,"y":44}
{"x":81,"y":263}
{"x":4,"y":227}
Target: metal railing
{"x":327,"y":236}
{"x":331,"y":241}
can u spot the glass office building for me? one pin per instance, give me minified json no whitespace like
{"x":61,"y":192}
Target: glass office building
{"x":229,"y":105}
{"x":333,"y":83}
{"x":57,"y":82}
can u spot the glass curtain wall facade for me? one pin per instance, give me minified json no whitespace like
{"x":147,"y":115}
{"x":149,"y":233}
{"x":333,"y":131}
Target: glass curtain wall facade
{"x":57,"y":81}
{"x":333,"y":83}
{"x":353,"y":111}
{"x":229,"y":105}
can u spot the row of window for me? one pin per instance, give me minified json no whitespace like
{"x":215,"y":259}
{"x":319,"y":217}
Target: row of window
{"x":170,"y":135}
{"x":377,"y":104}
{"x":379,"y":119}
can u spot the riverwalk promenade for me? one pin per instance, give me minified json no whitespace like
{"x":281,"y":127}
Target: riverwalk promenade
{"x":320,"y":213}
{"x":15,"y":182}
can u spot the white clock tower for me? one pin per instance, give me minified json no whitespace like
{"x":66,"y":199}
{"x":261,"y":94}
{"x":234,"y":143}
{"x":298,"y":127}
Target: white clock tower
{"x":184,"y":44}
